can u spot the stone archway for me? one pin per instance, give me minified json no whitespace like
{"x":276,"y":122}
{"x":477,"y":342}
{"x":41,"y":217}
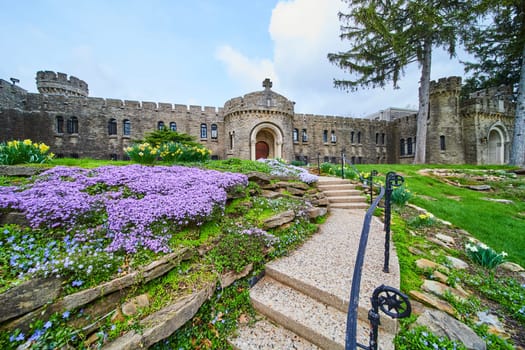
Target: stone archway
{"x":266,"y":141}
{"x":498,"y":144}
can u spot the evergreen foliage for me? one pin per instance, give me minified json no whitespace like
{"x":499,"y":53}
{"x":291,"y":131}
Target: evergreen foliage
{"x":386,"y":36}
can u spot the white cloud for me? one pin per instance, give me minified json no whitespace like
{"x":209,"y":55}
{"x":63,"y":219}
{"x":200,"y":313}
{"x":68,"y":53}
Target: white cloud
{"x":249,"y":73}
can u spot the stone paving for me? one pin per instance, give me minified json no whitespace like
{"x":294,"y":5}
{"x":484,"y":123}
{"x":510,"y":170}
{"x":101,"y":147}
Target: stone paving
{"x":304,"y":296}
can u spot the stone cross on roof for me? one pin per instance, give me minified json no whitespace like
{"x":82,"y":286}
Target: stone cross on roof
{"x":267,"y":84}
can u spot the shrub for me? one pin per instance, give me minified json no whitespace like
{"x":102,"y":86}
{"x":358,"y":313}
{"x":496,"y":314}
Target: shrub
{"x":483,"y":255}
{"x":142,"y":153}
{"x":422,"y":220}
{"x":400,"y":196}
{"x":19,"y":152}
{"x":181,"y":152}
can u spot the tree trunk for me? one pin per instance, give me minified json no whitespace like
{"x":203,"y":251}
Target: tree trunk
{"x":517,"y":153}
{"x":424,"y":102}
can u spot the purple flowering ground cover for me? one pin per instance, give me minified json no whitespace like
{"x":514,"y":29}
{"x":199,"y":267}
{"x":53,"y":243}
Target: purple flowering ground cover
{"x":133,"y":198}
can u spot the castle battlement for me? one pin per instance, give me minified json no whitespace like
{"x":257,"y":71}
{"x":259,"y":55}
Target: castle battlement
{"x":49,"y":82}
{"x":444,"y":85}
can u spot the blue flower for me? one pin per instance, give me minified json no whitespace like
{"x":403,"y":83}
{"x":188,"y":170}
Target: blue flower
{"x":38,"y":333}
{"x":65,"y":315}
{"x":77,"y":283}
{"x":48,"y":325}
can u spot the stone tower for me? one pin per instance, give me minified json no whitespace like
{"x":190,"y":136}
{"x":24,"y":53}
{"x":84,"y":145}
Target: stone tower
{"x":445,"y":144}
{"x":52,"y":83}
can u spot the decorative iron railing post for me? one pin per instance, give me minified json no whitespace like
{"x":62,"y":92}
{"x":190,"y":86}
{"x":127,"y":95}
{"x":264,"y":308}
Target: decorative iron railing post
{"x":372,"y":174}
{"x":392,"y":180}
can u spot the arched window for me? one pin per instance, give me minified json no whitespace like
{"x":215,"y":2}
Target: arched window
{"x":325,"y":136}
{"x":112,"y":126}
{"x":409,"y":145}
{"x":352,"y":135}
{"x":160,"y":125}
{"x":214,"y":132}
{"x":126,"y":127}
{"x":72,"y":125}
{"x":359,"y":137}
{"x":295,"y":135}
{"x":383,"y":139}
{"x":59,"y":124}
{"x":204,"y":131}
{"x":173,"y":126}
{"x":442,"y":144}
{"x":402,"y":147}
{"x":377,"y":138}
{"x":333,"y":138}
{"x":305,"y":136}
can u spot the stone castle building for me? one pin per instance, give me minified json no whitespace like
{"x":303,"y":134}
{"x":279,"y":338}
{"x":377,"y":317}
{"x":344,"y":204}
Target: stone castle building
{"x":260,"y":124}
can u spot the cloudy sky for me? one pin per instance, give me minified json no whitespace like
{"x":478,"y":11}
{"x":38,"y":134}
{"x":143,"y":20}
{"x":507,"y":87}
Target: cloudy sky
{"x":198,"y":52}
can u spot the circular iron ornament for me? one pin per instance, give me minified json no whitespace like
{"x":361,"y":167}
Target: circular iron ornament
{"x":392,"y":302}
{"x":395,"y":179}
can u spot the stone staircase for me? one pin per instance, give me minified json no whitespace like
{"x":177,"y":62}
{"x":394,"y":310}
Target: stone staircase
{"x":303,"y":298}
{"x":342,"y":193}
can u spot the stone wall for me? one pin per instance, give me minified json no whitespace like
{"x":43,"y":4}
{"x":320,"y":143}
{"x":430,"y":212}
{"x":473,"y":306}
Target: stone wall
{"x":458,"y":131}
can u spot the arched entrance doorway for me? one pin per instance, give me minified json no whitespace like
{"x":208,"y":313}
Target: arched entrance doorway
{"x":266,"y":141}
{"x":262,"y":150}
{"x":498,"y":152}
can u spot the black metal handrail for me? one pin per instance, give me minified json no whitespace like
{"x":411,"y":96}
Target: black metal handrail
{"x":387,"y":299}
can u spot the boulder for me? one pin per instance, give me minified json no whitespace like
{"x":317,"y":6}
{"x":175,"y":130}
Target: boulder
{"x":29,"y":296}
{"x":441,"y":289}
{"x":279,"y":219}
{"x":444,"y":325}
{"x":431,"y":300}
{"x":315,"y":212}
{"x":479,"y":187}
{"x":131,"y":307}
{"x":19,"y":170}
{"x":457,"y":263}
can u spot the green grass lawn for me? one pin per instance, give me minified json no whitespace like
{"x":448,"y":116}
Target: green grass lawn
{"x":501,"y":226}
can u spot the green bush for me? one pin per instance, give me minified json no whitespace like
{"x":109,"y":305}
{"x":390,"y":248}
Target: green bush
{"x":142,"y":153}
{"x":180,"y":152}
{"x":483,"y":255}
{"x":20,"y":152}
{"x":400,"y":196}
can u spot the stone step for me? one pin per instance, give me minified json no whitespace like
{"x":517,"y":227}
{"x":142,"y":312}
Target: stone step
{"x":318,"y":323}
{"x":337,"y":187}
{"x":337,"y":193}
{"x":333,"y":181}
{"x":347,"y":199}
{"x":355,"y":205}
{"x":265,"y":335}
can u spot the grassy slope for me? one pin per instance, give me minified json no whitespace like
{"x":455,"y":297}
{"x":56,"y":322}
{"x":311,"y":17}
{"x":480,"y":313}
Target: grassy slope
{"x":498,"y":225}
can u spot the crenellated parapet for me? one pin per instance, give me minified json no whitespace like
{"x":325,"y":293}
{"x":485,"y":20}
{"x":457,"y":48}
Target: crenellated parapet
{"x":491,"y":101}
{"x":450,"y":85}
{"x":51,"y":83}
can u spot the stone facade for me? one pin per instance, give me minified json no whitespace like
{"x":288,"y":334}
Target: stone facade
{"x":259,"y":124}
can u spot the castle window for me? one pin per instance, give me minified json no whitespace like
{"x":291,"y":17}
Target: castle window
{"x":377,"y":138}
{"x":295,"y":135}
{"x":442,"y":144}
{"x":126,"y":127}
{"x":409,"y":145}
{"x":305,"y":136}
{"x":214,"y":131}
{"x":204,"y":131}
{"x":352,"y":135}
{"x":333,"y":138}
{"x":59,"y":124}
{"x":333,"y":160}
{"x":352,"y":159}
{"x":113,"y":156}
{"x":232,"y":135}
{"x":112,"y":126}
{"x":72,"y":125}
{"x":325,"y":136}
{"x":214,"y":157}
{"x":326,"y":159}
{"x":402,"y":147}
{"x":173,"y":126}
{"x":359,"y":137}
{"x":160,"y":125}
{"x":382,"y":138}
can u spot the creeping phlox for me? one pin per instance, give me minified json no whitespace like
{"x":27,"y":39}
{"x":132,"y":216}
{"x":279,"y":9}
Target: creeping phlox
{"x":132,"y":199}
{"x":279,"y":168}
{"x":26,"y":151}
